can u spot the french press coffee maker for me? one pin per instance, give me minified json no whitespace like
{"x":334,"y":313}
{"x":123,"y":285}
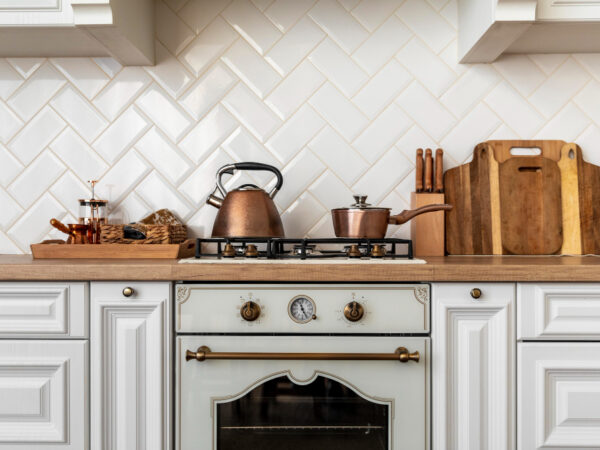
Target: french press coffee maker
{"x":94,"y":213}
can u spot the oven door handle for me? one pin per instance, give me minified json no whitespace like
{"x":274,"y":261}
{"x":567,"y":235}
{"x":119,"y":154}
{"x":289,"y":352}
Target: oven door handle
{"x":401,"y":354}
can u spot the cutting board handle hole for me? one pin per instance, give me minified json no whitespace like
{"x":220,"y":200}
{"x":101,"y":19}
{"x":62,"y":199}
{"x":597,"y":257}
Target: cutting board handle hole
{"x":571,"y":154}
{"x":530,"y":169}
{"x":525,"y":151}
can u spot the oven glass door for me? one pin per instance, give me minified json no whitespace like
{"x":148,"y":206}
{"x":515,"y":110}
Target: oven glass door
{"x":238,"y":404}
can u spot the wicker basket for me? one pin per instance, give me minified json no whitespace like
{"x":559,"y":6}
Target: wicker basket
{"x":155,"y":234}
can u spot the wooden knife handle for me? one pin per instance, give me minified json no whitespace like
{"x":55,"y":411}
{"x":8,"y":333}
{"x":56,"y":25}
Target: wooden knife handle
{"x":419,"y":171}
{"x":439,"y":170}
{"x":428,"y":170}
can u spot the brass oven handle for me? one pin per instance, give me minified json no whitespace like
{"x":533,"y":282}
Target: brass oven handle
{"x":401,"y":354}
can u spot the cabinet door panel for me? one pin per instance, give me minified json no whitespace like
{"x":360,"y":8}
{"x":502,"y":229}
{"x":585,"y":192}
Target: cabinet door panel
{"x":130,"y":366}
{"x":43,"y":395}
{"x":53,"y":310}
{"x":559,"y":396}
{"x":558,"y":311}
{"x":472,"y":372}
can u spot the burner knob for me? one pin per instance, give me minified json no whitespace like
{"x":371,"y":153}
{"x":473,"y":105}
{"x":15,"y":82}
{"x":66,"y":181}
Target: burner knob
{"x":250,"y":311}
{"x":354,"y":311}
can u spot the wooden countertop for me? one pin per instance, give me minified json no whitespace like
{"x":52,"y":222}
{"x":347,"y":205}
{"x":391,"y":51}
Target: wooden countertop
{"x":451,"y":268}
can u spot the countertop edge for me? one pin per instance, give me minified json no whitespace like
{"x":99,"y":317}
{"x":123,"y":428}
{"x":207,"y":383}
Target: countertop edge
{"x":453,"y":268}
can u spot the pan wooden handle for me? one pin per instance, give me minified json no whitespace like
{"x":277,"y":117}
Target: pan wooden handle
{"x":60,"y":226}
{"x":408,"y":214}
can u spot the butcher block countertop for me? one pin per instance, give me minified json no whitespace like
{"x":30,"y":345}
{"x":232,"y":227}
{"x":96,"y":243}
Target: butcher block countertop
{"x":451,"y":268}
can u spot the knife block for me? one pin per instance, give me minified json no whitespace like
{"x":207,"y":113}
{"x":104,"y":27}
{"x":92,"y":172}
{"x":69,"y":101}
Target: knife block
{"x":428,"y":230}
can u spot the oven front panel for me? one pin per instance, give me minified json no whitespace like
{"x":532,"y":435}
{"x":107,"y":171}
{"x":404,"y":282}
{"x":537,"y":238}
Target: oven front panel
{"x":302,"y":404}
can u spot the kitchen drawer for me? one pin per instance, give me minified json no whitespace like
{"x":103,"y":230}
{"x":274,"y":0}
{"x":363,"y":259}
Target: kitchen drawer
{"x":558,"y":311}
{"x":38,"y":310}
{"x":389,"y":308}
{"x":558,"y":395}
{"x":44,"y":395}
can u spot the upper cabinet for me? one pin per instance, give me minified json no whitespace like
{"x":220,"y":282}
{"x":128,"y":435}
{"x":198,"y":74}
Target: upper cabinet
{"x":489,"y":28}
{"x":123,"y":29}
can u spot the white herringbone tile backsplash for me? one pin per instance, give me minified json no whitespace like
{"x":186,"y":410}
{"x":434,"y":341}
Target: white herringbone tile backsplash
{"x":336,"y":93}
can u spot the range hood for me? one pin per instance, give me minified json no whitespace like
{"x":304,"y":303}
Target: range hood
{"x":123,"y":29}
{"x":489,"y":28}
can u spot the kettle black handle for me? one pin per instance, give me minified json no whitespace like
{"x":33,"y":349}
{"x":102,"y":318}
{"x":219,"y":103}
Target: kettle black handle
{"x":231,"y":168}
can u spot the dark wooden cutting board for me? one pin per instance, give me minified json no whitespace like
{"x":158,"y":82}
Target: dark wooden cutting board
{"x":552,"y":206}
{"x":530,"y":206}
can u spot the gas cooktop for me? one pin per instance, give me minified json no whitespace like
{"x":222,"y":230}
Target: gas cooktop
{"x":304,"y":249}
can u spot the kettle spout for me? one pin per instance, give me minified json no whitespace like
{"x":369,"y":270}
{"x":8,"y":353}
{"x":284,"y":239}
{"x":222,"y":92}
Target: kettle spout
{"x":215,"y":201}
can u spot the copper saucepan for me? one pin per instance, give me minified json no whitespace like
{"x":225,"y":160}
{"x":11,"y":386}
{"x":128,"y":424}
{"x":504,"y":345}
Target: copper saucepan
{"x":360,"y":220}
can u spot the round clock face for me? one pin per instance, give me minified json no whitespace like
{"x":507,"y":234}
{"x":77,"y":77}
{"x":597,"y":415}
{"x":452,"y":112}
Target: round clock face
{"x":302,"y":309}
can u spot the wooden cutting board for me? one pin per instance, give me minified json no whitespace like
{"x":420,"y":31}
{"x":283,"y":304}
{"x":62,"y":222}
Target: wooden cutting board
{"x":556,"y":212}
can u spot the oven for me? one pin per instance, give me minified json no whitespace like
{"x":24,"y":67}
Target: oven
{"x":302,"y":366}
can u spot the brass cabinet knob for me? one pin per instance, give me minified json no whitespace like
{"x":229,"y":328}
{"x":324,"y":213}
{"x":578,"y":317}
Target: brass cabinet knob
{"x":250,"y":311}
{"x":128,"y":291}
{"x":476,"y":293}
{"x":354,"y":311}
{"x":405,"y":356}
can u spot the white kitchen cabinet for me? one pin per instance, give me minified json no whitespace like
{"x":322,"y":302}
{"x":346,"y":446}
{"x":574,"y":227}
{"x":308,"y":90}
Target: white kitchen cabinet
{"x":43,"y":310}
{"x":558,"y":311}
{"x":473,"y":351}
{"x":43,"y":395}
{"x":123,"y":29}
{"x":489,"y":28}
{"x":559,"y":396}
{"x":130,"y":366}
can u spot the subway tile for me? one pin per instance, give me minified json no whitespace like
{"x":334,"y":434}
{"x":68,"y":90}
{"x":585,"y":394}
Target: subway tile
{"x":208,"y":134}
{"x":252,"y":25}
{"x":36,"y":179}
{"x":163,"y":155}
{"x":121,"y":91}
{"x":36,"y":91}
{"x":338,"y":67}
{"x":208,"y":90}
{"x":294,"y":46}
{"x":338,"y":24}
{"x":295,"y":89}
{"x":285,"y":13}
{"x":164,"y":112}
{"x":76,"y":154}
{"x":338,"y":111}
{"x":373,"y":13}
{"x":169,"y":73}
{"x":121,"y":135}
{"x":10,"y":124}
{"x":36,"y":135}
{"x":83,"y":73}
{"x":251,"y":112}
{"x":79,"y":114}
{"x":251,"y":68}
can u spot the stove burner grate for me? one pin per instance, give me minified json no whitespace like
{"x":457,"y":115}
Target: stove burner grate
{"x":305,"y":248}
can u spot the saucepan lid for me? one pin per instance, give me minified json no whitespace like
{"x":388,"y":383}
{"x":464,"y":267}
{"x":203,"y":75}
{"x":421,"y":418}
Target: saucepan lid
{"x":360,"y":204}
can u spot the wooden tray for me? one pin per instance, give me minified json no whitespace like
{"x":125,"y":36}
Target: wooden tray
{"x":114,"y":251}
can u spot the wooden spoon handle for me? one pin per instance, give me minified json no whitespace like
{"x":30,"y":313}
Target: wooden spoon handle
{"x":60,"y":226}
{"x":408,"y":214}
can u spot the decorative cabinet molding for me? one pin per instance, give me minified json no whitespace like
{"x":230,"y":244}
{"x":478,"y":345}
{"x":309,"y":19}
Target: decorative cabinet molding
{"x":123,"y":29}
{"x":55,"y":310}
{"x":473,"y":371}
{"x":43,"y":395}
{"x":130,"y":367}
{"x":559,"y":311}
{"x":559,"y":395}
{"x":489,"y":28}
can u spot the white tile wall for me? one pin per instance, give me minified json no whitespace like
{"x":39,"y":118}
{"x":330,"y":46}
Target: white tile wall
{"x":336,"y":93}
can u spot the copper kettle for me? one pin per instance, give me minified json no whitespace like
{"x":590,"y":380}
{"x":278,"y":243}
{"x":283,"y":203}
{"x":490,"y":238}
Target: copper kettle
{"x":247,"y":211}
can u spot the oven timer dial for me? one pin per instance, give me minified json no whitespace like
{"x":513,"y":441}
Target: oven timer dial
{"x":302,"y":309}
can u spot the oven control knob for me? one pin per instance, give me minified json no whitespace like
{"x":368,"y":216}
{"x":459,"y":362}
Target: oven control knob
{"x":250,"y":311}
{"x":354,"y":311}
